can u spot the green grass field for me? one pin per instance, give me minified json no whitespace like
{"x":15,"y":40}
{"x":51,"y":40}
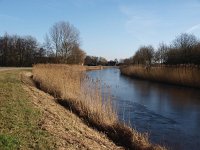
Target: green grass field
{"x":19,"y":119}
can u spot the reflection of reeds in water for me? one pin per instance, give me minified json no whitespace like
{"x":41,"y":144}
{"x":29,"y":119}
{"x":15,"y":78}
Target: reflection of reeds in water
{"x":83,"y":95}
{"x":180,"y":75}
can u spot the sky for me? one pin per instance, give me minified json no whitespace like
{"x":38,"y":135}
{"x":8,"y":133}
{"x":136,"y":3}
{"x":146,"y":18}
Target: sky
{"x":108,"y":28}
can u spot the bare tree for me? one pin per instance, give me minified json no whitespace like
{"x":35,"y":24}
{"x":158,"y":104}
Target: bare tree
{"x":77,"y":56}
{"x":196,"y":54}
{"x":102,"y":61}
{"x":161,"y":53}
{"x":91,"y":61}
{"x":64,"y":37}
{"x":48,"y":46}
{"x":184,"y":44}
{"x":184,"y":41}
{"x":144,"y":55}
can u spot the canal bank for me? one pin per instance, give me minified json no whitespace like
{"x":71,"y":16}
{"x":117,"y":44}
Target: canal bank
{"x":184,"y":75}
{"x":170,"y":114}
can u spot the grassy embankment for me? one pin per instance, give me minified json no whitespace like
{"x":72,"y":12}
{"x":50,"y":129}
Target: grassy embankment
{"x":32,"y":119}
{"x":75,"y":91}
{"x":18,"y":117}
{"x":179,"y":75}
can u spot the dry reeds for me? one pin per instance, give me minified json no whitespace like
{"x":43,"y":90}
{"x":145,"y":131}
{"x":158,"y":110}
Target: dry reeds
{"x":179,"y":75}
{"x":82,"y":95}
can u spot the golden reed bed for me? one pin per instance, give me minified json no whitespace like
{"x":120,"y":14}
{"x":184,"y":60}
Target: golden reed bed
{"x":82,"y":95}
{"x":179,"y":75}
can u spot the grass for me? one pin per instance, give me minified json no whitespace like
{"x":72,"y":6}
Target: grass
{"x":179,"y":75}
{"x":80,"y":94}
{"x":19,"y":119}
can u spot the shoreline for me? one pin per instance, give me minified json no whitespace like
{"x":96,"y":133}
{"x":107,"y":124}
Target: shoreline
{"x":38,"y":121}
{"x":103,"y":120}
{"x":179,"y":76}
{"x":56,"y":125}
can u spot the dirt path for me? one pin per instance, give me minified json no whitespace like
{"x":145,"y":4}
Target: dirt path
{"x":69,"y":130}
{"x":13,"y":68}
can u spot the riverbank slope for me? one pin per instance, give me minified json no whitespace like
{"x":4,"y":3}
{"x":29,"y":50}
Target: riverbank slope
{"x":31,"y":119}
{"x":77,"y":92}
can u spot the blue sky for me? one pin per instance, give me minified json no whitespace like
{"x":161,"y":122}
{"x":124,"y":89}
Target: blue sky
{"x":108,"y":28}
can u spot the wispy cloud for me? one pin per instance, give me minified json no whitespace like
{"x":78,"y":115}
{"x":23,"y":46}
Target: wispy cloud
{"x":193,"y":28}
{"x":140,"y":23}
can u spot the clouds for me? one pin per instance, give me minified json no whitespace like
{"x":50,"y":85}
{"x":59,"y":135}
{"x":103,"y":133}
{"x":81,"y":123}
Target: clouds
{"x":149,"y":22}
{"x":194,"y":28}
{"x":105,"y":25}
{"x":140,"y":23}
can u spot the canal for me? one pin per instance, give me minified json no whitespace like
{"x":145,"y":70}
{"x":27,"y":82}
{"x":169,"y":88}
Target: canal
{"x":170,"y":114}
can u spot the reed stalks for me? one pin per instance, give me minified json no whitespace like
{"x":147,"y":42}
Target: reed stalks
{"x":82,"y":95}
{"x":179,"y":75}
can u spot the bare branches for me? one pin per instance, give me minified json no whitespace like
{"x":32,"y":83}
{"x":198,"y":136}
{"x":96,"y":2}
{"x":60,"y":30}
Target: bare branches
{"x":64,"y":38}
{"x":185,"y":49}
{"x":18,"y":51}
{"x":144,"y":55}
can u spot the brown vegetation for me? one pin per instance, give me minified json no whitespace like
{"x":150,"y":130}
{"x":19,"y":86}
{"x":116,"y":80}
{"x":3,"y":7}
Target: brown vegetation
{"x":77,"y":92}
{"x":66,"y":129}
{"x":180,"y":75}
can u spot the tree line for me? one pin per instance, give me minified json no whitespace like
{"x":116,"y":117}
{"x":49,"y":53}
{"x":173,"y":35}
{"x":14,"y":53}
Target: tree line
{"x":96,"y":61}
{"x":62,"y":45}
{"x":184,"y":49}
{"x":19,"y":51}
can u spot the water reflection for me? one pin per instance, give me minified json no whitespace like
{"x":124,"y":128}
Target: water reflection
{"x":171,"y":114}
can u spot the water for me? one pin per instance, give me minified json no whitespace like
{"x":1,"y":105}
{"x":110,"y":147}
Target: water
{"x":170,"y":114}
